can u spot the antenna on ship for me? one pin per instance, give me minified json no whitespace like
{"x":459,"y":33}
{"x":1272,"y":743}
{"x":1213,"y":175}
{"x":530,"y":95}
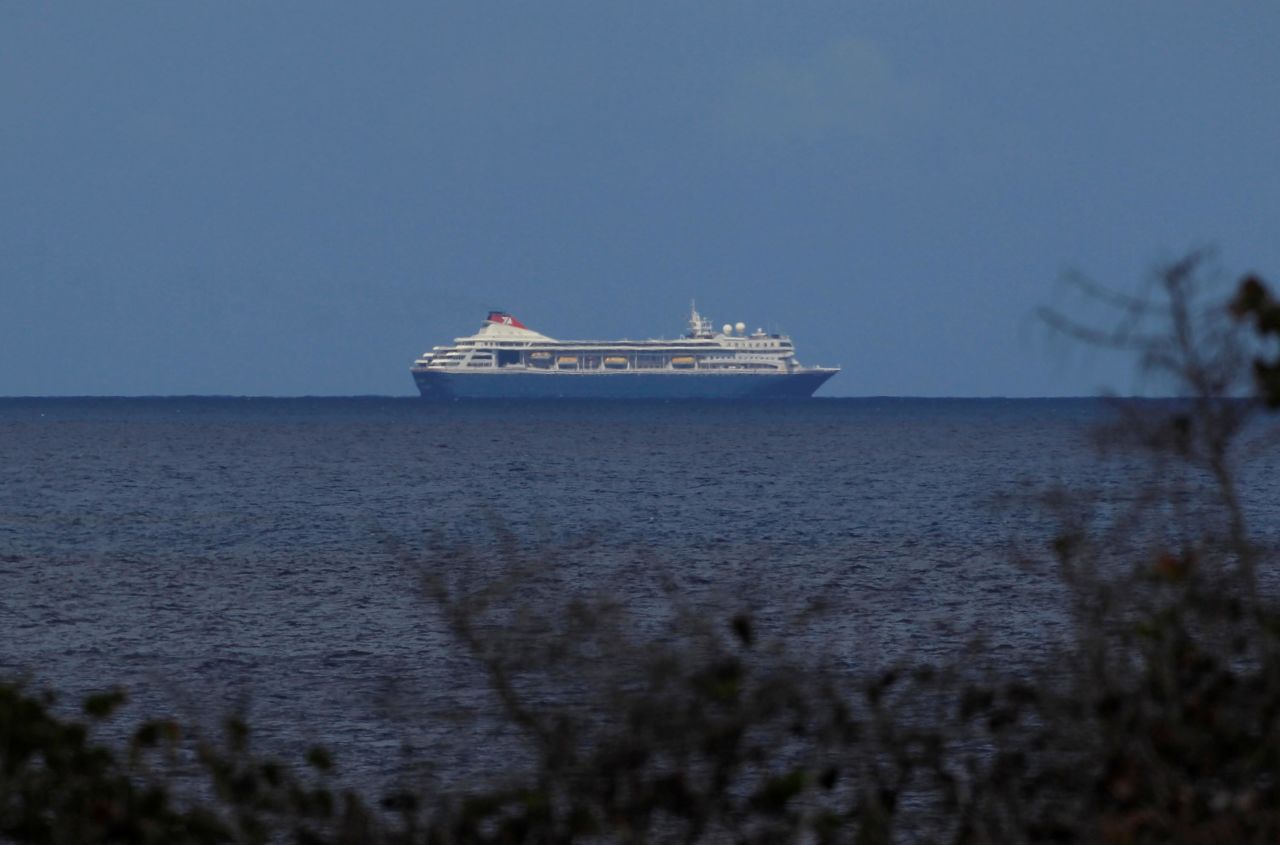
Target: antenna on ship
{"x":698,"y":326}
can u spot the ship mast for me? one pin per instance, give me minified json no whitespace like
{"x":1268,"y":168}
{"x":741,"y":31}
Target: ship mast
{"x":698,"y":325}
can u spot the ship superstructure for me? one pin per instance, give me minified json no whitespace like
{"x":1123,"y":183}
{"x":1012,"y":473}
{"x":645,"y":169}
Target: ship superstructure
{"x":505,"y":358}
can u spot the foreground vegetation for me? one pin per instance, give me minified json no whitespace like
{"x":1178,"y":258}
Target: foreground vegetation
{"x":1159,"y":719}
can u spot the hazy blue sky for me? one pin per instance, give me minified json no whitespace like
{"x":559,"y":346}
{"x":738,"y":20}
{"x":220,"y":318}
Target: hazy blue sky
{"x":297,"y":198}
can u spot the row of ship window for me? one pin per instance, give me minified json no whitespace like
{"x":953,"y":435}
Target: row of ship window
{"x":525,"y":345}
{"x":591,"y":362}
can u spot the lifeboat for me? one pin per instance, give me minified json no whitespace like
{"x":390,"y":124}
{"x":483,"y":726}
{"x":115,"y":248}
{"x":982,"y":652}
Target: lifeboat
{"x":615,"y":363}
{"x":566,"y":362}
{"x":683,"y":362}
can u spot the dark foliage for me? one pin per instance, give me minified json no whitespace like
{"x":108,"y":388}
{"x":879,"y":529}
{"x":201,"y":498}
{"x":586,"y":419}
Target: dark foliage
{"x":1254,"y":301}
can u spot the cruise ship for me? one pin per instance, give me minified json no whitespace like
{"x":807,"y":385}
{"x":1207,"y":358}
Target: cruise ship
{"x":505,"y":359}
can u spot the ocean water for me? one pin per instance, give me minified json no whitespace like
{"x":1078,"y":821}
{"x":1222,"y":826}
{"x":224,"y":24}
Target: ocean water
{"x":266,"y":555}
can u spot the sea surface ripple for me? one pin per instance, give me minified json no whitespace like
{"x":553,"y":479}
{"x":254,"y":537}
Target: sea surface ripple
{"x":265,"y":554}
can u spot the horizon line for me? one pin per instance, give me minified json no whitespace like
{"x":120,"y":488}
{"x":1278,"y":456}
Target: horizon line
{"x":414,"y":397}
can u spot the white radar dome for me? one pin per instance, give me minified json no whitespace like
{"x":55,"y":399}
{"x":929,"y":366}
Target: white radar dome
{"x":741,"y":327}
{"x":728,"y":329}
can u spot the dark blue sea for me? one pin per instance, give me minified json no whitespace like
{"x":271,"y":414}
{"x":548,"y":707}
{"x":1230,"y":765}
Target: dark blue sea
{"x":266,"y":555}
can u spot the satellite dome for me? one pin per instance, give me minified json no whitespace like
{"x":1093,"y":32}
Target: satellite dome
{"x":728,"y":329}
{"x":741,"y":327}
